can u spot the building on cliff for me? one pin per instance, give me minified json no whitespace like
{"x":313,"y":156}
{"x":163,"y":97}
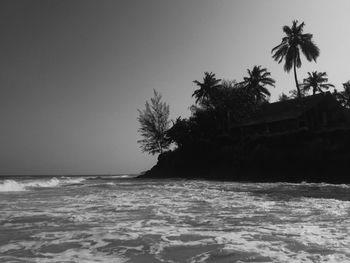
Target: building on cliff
{"x":317,"y":112}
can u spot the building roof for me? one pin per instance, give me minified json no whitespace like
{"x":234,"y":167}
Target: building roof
{"x":285,"y":110}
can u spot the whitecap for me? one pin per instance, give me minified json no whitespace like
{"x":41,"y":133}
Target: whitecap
{"x":11,"y":186}
{"x":43,"y":183}
{"x":73,"y":180}
{"x":15,"y":186}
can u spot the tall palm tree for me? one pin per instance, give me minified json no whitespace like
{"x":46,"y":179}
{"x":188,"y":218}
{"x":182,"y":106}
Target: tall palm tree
{"x":317,"y":81}
{"x":204,"y":93}
{"x":256,"y":82}
{"x":290,"y":47}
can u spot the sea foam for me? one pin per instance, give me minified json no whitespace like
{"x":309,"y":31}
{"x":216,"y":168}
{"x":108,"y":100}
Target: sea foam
{"x":11,"y":186}
{"x":15,"y":185}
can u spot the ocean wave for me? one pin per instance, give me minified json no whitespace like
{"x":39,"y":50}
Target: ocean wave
{"x":43,"y":183}
{"x":15,"y":185}
{"x":11,"y":186}
{"x":124,"y":176}
{"x":185,"y":221}
{"x":77,"y":180}
{"x":108,"y":184}
{"x":119,"y":176}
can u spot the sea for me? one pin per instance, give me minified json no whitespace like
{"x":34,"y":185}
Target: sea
{"x":124,"y":219}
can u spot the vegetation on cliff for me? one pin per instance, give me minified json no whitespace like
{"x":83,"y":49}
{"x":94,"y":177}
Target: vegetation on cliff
{"x":223,"y":139}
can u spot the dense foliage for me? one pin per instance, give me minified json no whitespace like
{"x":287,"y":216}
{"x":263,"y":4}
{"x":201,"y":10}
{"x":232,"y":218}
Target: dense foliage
{"x":220,"y":105}
{"x":344,"y":95}
{"x":213,"y":142}
{"x":154,"y":122}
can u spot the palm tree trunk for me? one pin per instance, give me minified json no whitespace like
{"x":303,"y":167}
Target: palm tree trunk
{"x":296,"y":79}
{"x":160,"y":147}
{"x":299,"y":93}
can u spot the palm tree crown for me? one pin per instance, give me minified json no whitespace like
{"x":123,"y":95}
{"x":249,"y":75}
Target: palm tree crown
{"x":317,"y":81}
{"x":256,"y":81}
{"x":203,"y":94}
{"x":289,"y":49}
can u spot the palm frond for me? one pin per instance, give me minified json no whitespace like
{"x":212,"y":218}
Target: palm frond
{"x":310,"y":50}
{"x":280,"y":52}
{"x":289,"y":59}
{"x":327,"y":85}
{"x":287,"y":30}
{"x":300,"y":27}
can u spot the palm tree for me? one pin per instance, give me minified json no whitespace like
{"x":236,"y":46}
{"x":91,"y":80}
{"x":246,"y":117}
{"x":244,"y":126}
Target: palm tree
{"x":256,"y":83}
{"x":204,"y":93}
{"x":317,"y":81}
{"x":290,"y":47}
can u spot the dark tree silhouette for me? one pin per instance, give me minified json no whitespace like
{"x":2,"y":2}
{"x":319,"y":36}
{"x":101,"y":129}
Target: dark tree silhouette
{"x":220,"y":95}
{"x":256,"y":82}
{"x":346,"y":85}
{"x":294,"y":94}
{"x":204,"y":93}
{"x":283,"y":97}
{"x":154,"y":121}
{"x":344,"y":96}
{"x":237,"y":102}
{"x":290,"y":47}
{"x":317,"y":81}
{"x":179,"y":132}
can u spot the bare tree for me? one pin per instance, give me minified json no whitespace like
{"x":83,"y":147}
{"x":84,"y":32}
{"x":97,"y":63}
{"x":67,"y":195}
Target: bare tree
{"x":154,"y":122}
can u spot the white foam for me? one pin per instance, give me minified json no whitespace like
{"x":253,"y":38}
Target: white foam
{"x":118,"y":176}
{"x":11,"y":186}
{"x":219,"y":220}
{"x":80,"y":255}
{"x":43,"y":183}
{"x":73,"y":180}
{"x":15,"y":186}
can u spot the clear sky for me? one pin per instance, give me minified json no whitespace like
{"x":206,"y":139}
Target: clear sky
{"x":74,"y":73}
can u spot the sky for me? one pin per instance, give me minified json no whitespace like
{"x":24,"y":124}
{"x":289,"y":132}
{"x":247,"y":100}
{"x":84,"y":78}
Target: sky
{"x":73,"y":73}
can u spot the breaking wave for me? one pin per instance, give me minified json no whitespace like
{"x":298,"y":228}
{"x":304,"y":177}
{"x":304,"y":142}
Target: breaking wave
{"x":15,"y":186}
{"x":174,"y":221}
{"x":11,"y":186}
